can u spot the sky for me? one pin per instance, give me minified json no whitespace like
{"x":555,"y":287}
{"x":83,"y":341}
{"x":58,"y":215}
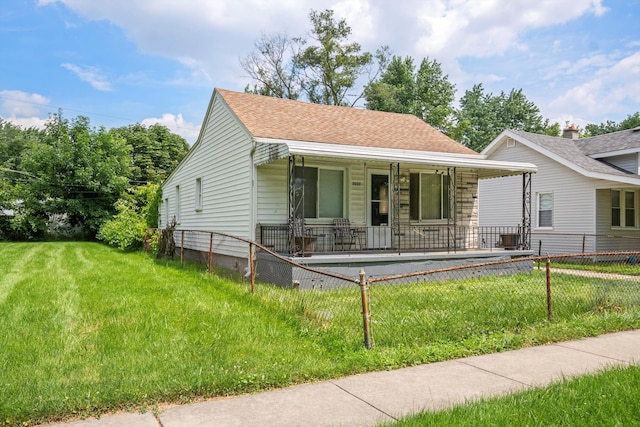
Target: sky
{"x":121,"y":62}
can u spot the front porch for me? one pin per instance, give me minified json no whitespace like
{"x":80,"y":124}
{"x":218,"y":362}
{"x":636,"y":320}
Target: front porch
{"x":346,"y":238}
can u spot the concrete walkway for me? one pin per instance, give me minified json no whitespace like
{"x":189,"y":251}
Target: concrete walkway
{"x":369,"y":399}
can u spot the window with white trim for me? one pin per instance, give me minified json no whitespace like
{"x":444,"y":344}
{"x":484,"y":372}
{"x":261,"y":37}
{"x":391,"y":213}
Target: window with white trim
{"x":166,"y":211}
{"x":177,"y":212}
{"x":623,"y":208}
{"x":198,"y":194}
{"x":319,"y":192}
{"x":428,"y":196}
{"x":545,"y":210}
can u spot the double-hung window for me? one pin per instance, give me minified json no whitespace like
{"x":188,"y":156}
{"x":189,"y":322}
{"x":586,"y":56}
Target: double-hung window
{"x":177,"y":213}
{"x":198,"y":194}
{"x":318,"y":192}
{"x":428,"y":196}
{"x":545,"y":210}
{"x":623,"y":208}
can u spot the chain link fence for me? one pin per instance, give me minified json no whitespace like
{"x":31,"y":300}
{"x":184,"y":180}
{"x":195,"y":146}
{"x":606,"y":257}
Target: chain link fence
{"x":411,"y":310}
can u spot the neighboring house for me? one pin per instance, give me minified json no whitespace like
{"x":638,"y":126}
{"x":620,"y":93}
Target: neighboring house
{"x":306,"y":179}
{"x":585,"y":195}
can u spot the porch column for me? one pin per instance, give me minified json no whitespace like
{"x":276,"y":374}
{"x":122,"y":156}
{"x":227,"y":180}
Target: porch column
{"x":452,"y":202}
{"x":526,"y":210}
{"x":295,"y":192}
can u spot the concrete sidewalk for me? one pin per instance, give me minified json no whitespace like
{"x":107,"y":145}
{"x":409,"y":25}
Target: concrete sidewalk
{"x":368,"y":399}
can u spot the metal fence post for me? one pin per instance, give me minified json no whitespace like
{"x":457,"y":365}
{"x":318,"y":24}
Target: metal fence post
{"x":366,"y":316}
{"x":252,"y":268}
{"x":549,"y":312}
{"x":210,"y":266}
{"x":182,"y":248}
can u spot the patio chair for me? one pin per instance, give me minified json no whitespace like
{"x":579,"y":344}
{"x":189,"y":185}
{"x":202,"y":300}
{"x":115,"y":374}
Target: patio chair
{"x":343,"y":233}
{"x":304,"y":242}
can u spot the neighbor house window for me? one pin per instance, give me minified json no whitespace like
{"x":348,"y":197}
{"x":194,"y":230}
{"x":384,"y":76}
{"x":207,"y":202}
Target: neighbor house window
{"x":545,"y":210}
{"x":623,"y":208}
{"x":319,"y":193}
{"x":177,"y":213}
{"x":428,"y":196}
{"x":198,"y":194}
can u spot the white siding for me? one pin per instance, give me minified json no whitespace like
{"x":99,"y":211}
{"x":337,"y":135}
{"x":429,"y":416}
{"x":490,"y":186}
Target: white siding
{"x":613,"y":238}
{"x":222,"y":161}
{"x":628,"y":162}
{"x":573,"y":200}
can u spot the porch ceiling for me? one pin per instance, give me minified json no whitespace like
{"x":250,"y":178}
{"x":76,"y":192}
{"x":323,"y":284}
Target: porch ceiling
{"x":268,"y":150}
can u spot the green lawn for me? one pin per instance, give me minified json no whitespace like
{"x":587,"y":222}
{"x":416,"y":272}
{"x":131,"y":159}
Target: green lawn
{"x":608,"y":398}
{"x":86,"y":329}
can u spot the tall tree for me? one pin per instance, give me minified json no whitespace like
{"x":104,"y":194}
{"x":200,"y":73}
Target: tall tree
{"x":333,"y":66}
{"x":155,"y":151}
{"x":78,"y":173}
{"x":632,"y":121}
{"x":272,"y":66}
{"x":483,"y":116}
{"x":425,"y":93}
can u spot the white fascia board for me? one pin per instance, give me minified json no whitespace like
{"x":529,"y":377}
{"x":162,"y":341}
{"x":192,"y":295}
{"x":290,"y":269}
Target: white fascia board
{"x":615,"y":153}
{"x":473,"y":161}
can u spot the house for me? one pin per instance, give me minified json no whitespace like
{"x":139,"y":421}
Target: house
{"x":344,"y":185}
{"x":585,"y":195}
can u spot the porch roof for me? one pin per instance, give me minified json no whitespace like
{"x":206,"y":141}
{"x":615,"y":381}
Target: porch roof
{"x":268,"y":150}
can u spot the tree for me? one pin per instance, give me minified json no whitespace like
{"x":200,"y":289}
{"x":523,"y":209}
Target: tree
{"x":271,"y":65}
{"x":155,"y":151}
{"x":333,"y":66}
{"x":427,"y":93}
{"x":632,"y":121}
{"x":483,"y":116}
{"x":77,"y":172}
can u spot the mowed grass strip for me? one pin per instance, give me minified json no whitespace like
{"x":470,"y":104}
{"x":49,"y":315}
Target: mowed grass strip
{"x":86,"y":329}
{"x":609,"y":398}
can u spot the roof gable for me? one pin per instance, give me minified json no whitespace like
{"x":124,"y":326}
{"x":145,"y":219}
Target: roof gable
{"x":283,"y":119}
{"x":565,"y":151}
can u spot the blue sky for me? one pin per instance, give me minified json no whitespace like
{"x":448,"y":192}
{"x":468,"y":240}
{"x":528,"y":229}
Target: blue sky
{"x":121,"y":62}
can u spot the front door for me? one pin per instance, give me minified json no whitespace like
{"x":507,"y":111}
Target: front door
{"x":379,"y":211}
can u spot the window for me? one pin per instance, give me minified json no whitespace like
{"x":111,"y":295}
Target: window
{"x":198,"y":194}
{"x":545,"y":210}
{"x":623,"y":208}
{"x":166,"y":211}
{"x":319,"y":193}
{"x":177,"y":212}
{"x":428,"y":196}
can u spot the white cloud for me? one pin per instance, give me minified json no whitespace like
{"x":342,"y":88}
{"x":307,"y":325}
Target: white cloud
{"x":19,"y":103}
{"x":176,"y":124}
{"x":90,"y":75}
{"x":611,"y":88}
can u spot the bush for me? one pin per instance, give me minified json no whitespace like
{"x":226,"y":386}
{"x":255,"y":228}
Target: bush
{"x":125,"y":231}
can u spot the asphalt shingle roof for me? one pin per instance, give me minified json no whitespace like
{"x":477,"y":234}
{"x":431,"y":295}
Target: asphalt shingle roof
{"x":277,"y":118}
{"x":578,"y":151}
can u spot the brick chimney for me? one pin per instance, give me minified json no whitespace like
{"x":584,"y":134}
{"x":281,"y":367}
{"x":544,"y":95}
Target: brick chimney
{"x":570,"y":132}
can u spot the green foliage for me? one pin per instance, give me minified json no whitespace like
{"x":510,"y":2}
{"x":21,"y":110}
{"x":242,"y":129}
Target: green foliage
{"x":483,"y":116}
{"x":425,"y":93}
{"x":64,"y":181}
{"x":136,"y":212}
{"x":632,"y":121}
{"x":155,"y":151}
{"x":78,"y":173}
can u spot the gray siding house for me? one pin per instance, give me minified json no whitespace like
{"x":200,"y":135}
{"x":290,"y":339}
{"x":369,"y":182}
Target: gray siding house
{"x":584,"y":197}
{"x":331,"y":185}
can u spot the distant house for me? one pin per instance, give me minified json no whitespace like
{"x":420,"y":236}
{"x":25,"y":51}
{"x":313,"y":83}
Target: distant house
{"x":318,"y":180}
{"x":585,"y":195}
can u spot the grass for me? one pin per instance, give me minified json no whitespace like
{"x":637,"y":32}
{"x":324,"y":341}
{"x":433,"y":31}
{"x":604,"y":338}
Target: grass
{"x":86,"y":330}
{"x":626,"y":268}
{"x":607,"y":398}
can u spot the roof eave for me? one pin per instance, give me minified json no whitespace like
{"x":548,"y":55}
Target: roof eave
{"x":472,"y":161}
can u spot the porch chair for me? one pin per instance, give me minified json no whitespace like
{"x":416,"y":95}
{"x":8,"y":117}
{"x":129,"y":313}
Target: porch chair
{"x":304,"y":243}
{"x":343,"y":233}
